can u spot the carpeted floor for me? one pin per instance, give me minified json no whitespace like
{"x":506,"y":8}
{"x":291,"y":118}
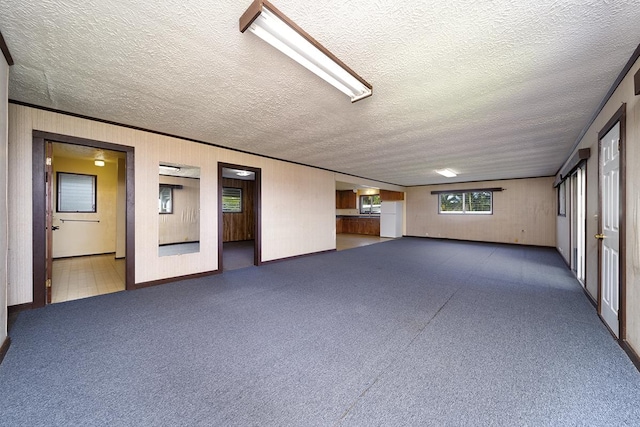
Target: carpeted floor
{"x":410,"y":332}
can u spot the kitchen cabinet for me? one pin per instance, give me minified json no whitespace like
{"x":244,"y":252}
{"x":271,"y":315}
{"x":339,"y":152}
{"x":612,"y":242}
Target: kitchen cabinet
{"x":389,"y":196}
{"x":358,"y":225}
{"x":345,"y":199}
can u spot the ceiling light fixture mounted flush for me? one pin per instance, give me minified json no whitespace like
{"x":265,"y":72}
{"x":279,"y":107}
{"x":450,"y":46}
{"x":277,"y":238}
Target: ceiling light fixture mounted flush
{"x":98,"y":162}
{"x":272,"y":26}
{"x":446,"y":172}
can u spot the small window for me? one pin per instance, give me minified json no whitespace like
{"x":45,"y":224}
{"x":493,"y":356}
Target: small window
{"x":231,"y":200}
{"x":562,"y":199}
{"x":468,"y":202}
{"x":370,"y":204}
{"x":165,"y":199}
{"x":76,"y":192}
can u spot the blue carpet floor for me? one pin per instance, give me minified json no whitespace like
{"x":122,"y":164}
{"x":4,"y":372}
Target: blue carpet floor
{"x":410,"y":332}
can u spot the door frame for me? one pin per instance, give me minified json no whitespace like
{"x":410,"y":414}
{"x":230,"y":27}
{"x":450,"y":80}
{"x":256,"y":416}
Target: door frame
{"x":257,"y":212}
{"x":618,"y":117}
{"x":39,"y":203}
{"x":581,"y":168}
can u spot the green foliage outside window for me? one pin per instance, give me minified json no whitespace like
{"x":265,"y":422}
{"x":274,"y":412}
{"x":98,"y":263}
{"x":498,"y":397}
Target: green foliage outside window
{"x":471,"y":202}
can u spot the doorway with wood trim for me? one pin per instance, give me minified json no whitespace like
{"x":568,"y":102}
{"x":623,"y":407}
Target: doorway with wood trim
{"x":611,"y":224}
{"x":239,"y":219}
{"x":82,"y":218}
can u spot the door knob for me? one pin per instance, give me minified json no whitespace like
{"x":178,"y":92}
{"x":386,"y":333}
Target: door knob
{"x":600,"y":236}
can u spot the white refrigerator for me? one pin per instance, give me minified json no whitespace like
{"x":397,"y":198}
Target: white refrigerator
{"x":391,"y":219}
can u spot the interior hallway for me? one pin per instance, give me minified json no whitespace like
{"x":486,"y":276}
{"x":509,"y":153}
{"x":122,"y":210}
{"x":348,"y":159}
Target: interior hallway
{"x":86,"y":276}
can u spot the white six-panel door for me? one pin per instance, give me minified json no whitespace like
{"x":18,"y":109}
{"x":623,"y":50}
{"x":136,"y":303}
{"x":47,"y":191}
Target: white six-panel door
{"x":610,"y":211}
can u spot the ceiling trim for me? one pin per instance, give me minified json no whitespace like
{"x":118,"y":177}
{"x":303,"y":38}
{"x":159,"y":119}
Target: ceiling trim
{"x":634,"y":57}
{"x":5,"y":50}
{"x":109,"y":122}
{"x":471,"y":182}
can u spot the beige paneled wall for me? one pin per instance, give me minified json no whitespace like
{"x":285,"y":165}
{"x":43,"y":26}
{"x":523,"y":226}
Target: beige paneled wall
{"x":183,"y":224}
{"x":623,"y":94}
{"x":524,"y":213}
{"x":4,"y":217}
{"x":298,"y":202}
{"x":563,"y":235}
{"x":98,"y":234}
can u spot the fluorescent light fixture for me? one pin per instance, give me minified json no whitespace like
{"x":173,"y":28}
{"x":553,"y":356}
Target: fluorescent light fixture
{"x":272,"y":26}
{"x":170,"y":168}
{"x":243,"y":173}
{"x":98,"y":162}
{"x":446,"y":172}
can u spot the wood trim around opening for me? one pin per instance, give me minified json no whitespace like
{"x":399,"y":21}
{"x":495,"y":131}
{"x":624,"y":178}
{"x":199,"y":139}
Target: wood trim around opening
{"x":5,"y":50}
{"x":618,"y":117}
{"x":39,"y":204}
{"x":257,"y":209}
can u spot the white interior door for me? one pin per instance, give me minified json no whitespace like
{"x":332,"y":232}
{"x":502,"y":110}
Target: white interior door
{"x":610,"y":235}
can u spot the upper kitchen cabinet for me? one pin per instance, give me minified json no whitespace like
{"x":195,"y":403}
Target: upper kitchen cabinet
{"x":345,"y":199}
{"x":390,"y":196}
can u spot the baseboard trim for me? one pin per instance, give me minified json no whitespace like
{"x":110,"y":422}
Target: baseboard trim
{"x":482,"y":241}
{"x":591,"y":299}
{"x":19,"y":307}
{"x":173,"y":279}
{"x":4,"y":348}
{"x":85,"y":255}
{"x":274,"y":261}
{"x":635,"y":358}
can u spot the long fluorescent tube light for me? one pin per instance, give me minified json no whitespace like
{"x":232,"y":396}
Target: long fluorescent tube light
{"x":272,"y":26}
{"x":446,"y":172}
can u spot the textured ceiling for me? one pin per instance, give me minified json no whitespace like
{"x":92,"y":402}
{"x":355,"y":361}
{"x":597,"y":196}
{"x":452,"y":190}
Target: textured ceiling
{"x":491,"y":89}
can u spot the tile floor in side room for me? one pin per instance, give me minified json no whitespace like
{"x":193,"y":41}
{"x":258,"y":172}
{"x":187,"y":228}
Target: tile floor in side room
{"x":81,"y":277}
{"x":348,"y":241}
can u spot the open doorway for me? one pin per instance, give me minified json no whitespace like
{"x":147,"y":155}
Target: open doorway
{"x":239,"y":225}
{"x":83,"y":223}
{"x":87,"y":198}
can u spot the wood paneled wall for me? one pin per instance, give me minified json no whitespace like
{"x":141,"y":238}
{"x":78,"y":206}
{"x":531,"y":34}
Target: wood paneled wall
{"x":240,"y":226}
{"x":289,"y":228}
{"x":623,"y":94}
{"x":183,"y":224}
{"x":4,"y":217}
{"x":524,"y":213}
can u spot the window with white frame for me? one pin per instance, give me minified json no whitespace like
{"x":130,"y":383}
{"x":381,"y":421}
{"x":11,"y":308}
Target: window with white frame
{"x":370,"y":204}
{"x":76,"y":192}
{"x":466,"y":202}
